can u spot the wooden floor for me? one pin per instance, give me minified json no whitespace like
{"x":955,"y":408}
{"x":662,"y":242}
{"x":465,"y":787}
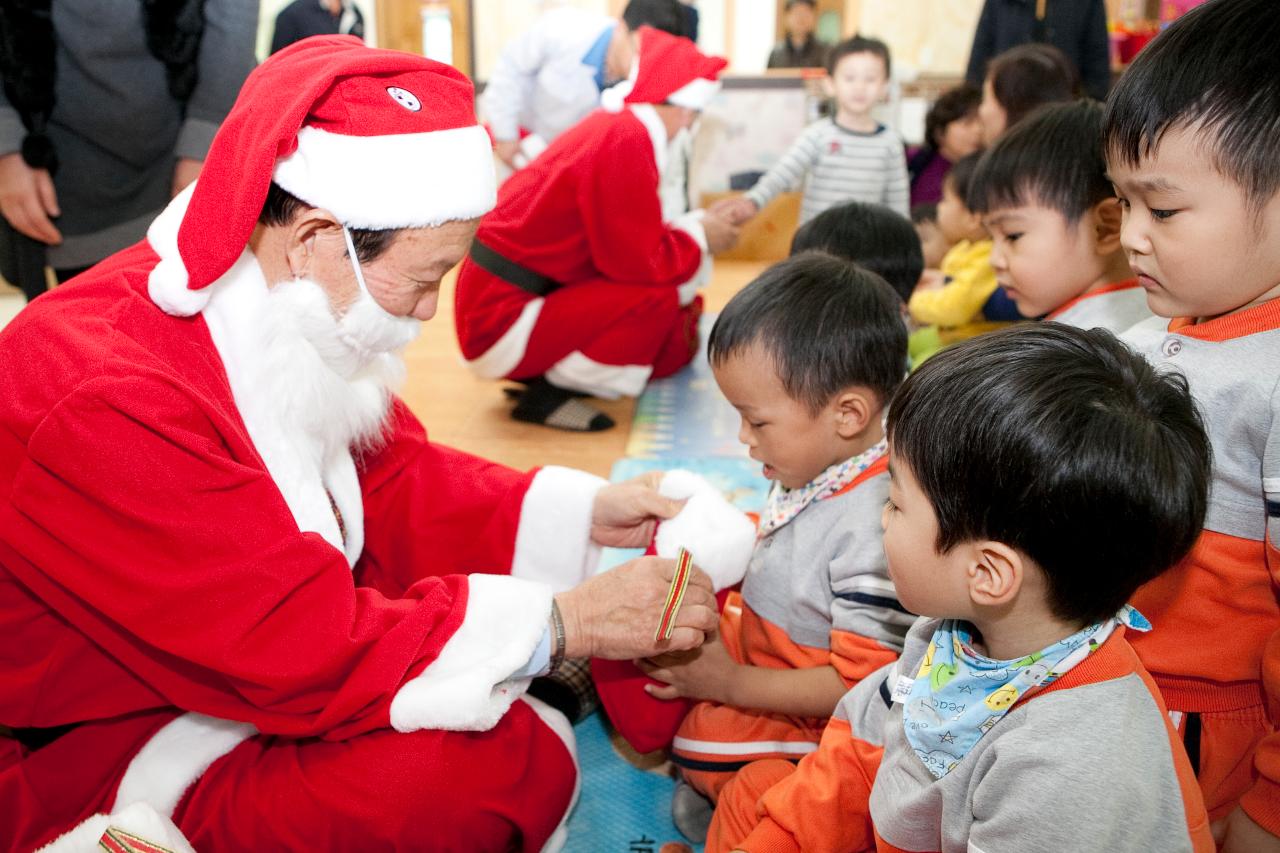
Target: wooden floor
{"x":472,"y":414}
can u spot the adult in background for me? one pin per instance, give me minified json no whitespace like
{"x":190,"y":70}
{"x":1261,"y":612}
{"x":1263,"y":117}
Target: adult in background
{"x":799,"y":47}
{"x":106,"y":113}
{"x":550,"y":77}
{"x":303,"y":18}
{"x":576,"y":283}
{"x":1076,"y":27}
{"x":237,"y":582}
{"x":952,"y":131}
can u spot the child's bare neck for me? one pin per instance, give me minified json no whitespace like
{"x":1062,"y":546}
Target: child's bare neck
{"x":857,"y":122}
{"x":1117,"y":270}
{"x":863,"y":441}
{"x":1021,"y":630}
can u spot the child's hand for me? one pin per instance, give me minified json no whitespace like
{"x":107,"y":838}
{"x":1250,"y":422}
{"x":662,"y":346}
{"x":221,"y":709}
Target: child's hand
{"x":735,"y":210}
{"x":704,"y":673}
{"x":931,"y":280}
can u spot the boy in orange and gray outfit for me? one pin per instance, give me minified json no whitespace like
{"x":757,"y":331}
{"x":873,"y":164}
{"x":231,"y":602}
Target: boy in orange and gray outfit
{"x":1018,"y":717}
{"x":1192,"y":143}
{"x":809,"y":353}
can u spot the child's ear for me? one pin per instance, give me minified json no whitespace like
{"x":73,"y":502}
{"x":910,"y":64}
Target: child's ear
{"x":995,"y":574}
{"x":854,"y":408}
{"x":1107,"y":219}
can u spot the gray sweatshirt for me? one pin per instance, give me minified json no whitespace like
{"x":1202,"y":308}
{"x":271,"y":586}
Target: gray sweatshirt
{"x":116,"y":129}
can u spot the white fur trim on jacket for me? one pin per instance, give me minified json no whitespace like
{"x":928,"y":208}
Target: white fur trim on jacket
{"x":468,"y":686}
{"x":553,"y":543}
{"x":579,"y":372}
{"x":155,"y":780}
{"x":408,"y":180}
{"x":691,"y":224}
{"x":500,"y":359}
{"x":138,"y":819}
{"x":299,"y":463}
{"x":562,"y":728}
{"x":167,"y":282}
{"x":657,"y":132}
{"x":718,"y":535}
{"x":696,"y":94}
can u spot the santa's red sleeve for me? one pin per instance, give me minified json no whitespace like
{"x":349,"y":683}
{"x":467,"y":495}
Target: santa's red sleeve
{"x":135,"y":520}
{"x":629,"y":241}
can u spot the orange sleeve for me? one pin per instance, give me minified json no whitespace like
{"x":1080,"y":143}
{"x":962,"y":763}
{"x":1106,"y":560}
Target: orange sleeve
{"x":1262,"y":801}
{"x":855,"y":657}
{"x":824,"y":804}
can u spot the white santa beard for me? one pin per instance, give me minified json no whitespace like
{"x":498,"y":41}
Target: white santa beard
{"x":331,"y":377}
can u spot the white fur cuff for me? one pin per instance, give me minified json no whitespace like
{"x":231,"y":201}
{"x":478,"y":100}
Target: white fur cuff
{"x":553,"y":544}
{"x":467,"y":687}
{"x":691,"y":224}
{"x":717,"y":534}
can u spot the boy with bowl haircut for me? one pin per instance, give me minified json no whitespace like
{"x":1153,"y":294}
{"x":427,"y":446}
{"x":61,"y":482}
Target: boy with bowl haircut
{"x":1192,"y":140}
{"x":1039,"y":475}
{"x":1054,"y":221}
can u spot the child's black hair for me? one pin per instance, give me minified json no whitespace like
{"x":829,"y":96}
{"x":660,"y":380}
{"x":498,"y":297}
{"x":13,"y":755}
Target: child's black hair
{"x":1053,"y":159}
{"x":1064,"y":444}
{"x":828,"y":325}
{"x":952,"y":105}
{"x":666,"y":15}
{"x":960,"y":177}
{"x":1031,"y":75}
{"x":859,"y":44}
{"x":924,"y":212}
{"x":871,"y":235}
{"x":1212,"y":72}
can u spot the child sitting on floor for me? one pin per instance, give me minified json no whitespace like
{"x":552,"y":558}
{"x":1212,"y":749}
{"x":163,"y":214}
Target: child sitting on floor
{"x":949,"y":301}
{"x":1054,"y":221}
{"x":870,"y":235}
{"x":1038,"y":476}
{"x":809,"y":354}
{"x":1192,"y":141}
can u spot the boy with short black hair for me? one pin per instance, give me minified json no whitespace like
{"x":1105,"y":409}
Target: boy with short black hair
{"x":846,"y":157}
{"x":1039,"y":475}
{"x":1192,"y":140}
{"x":1054,"y":221}
{"x":870,"y":235}
{"x":809,"y":354}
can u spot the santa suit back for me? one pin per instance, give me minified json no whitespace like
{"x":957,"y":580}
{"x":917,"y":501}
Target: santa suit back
{"x":586,"y":216}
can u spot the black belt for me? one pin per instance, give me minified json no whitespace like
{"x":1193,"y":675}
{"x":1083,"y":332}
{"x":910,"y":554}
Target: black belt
{"x":511,"y":272}
{"x":34,"y":739}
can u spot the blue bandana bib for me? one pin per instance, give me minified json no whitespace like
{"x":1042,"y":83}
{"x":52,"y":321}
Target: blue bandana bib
{"x":958,"y":695}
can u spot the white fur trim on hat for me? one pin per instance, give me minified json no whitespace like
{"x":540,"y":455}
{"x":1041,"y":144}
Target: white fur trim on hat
{"x":407,"y":180}
{"x":468,"y":687}
{"x":718,"y":535}
{"x":695,"y":94}
{"x":167,"y":282}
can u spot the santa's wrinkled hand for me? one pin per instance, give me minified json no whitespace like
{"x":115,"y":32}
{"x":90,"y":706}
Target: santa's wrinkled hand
{"x":614,"y":614}
{"x":625,"y":515}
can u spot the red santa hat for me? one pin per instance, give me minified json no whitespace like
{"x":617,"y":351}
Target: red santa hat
{"x":670,"y":70}
{"x":381,"y":139}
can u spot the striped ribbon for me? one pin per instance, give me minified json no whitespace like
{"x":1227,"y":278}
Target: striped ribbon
{"x":675,"y":595}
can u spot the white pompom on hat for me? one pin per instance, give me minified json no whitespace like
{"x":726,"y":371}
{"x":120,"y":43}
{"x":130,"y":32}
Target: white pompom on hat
{"x":669,"y":70}
{"x":381,"y":139}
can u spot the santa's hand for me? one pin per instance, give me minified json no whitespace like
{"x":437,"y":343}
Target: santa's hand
{"x":708,"y":672}
{"x":507,"y":150}
{"x":625,"y":515}
{"x":28,"y":200}
{"x":722,"y":232}
{"x":614,"y":614}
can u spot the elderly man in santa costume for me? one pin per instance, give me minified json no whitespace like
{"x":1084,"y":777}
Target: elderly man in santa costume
{"x":575,"y":284}
{"x":238,"y":585}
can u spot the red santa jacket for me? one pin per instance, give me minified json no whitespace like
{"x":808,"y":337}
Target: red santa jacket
{"x":149,"y":561}
{"x":586,"y":210}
